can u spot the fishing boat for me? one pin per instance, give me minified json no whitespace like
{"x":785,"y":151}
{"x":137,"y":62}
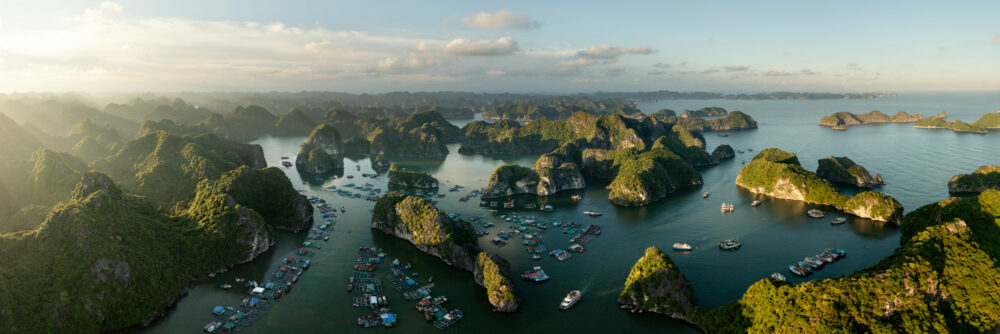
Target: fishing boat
{"x":225,"y":286}
{"x":730,"y":244}
{"x":212,"y":326}
{"x":592,"y":213}
{"x":536,"y":274}
{"x":838,"y":221}
{"x":754,"y":204}
{"x":576,"y":197}
{"x":778,"y":276}
{"x":342,"y":209}
{"x":571,"y":298}
{"x":548,"y":208}
{"x":682,"y":246}
{"x":286,"y":163}
{"x":815,"y":213}
{"x":705,"y":195}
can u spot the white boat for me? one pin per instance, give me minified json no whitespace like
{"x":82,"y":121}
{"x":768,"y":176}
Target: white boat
{"x":705,"y":195}
{"x":730,"y":244}
{"x":754,"y":204}
{"x":815,"y":213}
{"x":571,"y":298}
{"x":838,"y":221}
{"x":778,"y":276}
{"x":682,"y":246}
{"x":726,"y":207}
{"x":592,"y":213}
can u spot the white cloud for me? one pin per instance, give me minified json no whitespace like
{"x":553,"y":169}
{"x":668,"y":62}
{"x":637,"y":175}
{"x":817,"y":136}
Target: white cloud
{"x":574,"y":65}
{"x":606,"y":51}
{"x":776,"y":73}
{"x":656,"y":72}
{"x":480,"y":47}
{"x":500,"y":20}
{"x":392,"y":64}
{"x":111,"y":6}
{"x":321,"y":47}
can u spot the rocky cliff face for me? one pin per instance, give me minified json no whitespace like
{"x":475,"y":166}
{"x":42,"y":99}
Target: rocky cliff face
{"x":431,"y":231}
{"x":565,"y":177}
{"x":509,"y":180}
{"x":493,"y":273}
{"x":844,"y":170}
{"x":401,"y":177}
{"x":656,"y":285}
{"x":315,"y":160}
{"x":874,"y":206}
{"x":984,"y":178}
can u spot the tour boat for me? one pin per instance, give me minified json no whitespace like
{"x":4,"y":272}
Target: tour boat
{"x":576,"y":197}
{"x":225,"y":286}
{"x":705,"y":195}
{"x":730,"y":244}
{"x":681,"y":246}
{"x":726,"y":207}
{"x":838,"y":221}
{"x":571,"y":298}
{"x":778,"y":276}
{"x":815,"y":213}
{"x":592,"y":213}
{"x":286,"y":163}
{"x":754,"y":204}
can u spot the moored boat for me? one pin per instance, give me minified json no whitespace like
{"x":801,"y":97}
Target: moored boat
{"x":778,"y":276}
{"x":592,"y":213}
{"x":705,"y":195}
{"x":797,"y":271}
{"x":571,"y":298}
{"x":754,"y":204}
{"x":815,"y":213}
{"x":838,"y":221}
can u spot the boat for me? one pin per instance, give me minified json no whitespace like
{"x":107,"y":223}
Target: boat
{"x":778,"y":277}
{"x":730,"y":244}
{"x":536,"y":257}
{"x":571,"y":298}
{"x":536,"y":274}
{"x":576,"y":197}
{"x":342,"y":209}
{"x":705,"y":195}
{"x":726,"y":207}
{"x":225,"y":286}
{"x":838,"y":221}
{"x":754,"y":204}
{"x":286,"y":163}
{"x":798,"y":271}
{"x":592,"y":213}
{"x":212,"y":326}
{"x":682,"y":246}
{"x":815,"y":213}
{"x":548,"y":208}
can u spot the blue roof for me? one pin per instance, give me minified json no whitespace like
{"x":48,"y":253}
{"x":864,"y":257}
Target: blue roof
{"x":388,"y":317}
{"x":218,"y":310}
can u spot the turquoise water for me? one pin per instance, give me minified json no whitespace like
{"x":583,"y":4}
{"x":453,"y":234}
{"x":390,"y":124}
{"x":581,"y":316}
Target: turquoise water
{"x":916,"y":164}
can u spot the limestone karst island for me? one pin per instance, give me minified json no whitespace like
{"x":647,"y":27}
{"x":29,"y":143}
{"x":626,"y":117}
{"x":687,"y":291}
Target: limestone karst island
{"x":499,"y":167}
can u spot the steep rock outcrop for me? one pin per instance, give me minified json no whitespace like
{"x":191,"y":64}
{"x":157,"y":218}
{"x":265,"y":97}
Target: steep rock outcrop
{"x":322,"y":153}
{"x":509,"y":180}
{"x":841,"y":120}
{"x":656,"y":285}
{"x":723,"y":152}
{"x":400,"y":177}
{"x":844,"y":170}
{"x":493,"y":273}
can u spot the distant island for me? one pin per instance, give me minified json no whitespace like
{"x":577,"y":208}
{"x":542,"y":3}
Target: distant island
{"x":841,"y":120}
{"x":940,"y":121}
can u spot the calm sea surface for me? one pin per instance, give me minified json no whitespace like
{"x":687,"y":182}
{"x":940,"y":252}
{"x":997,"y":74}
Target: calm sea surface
{"x":916,"y":164}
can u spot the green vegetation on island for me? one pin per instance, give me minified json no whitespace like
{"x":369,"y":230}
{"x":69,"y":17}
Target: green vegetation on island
{"x":735,"y":120}
{"x":841,"y":120}
{"x":704,"y":112}
{"x":656,"y":285}
{"x":984,"y":178}
{"x":400,"y":177}
{"x":941,"y":279}
{"x":844,"y":170}
{"x":428,"y":229}
{"x":988,"y":121}
{"x":788,"y":180}
{"x":323,"y":151}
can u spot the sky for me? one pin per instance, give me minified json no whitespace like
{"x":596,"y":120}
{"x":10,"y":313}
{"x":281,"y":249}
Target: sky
{"x":498,"y":46}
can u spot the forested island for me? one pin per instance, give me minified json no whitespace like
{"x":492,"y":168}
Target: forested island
{"x":842,"y":120}
{"x":778,"y":174}
{"x":984,"y":178}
